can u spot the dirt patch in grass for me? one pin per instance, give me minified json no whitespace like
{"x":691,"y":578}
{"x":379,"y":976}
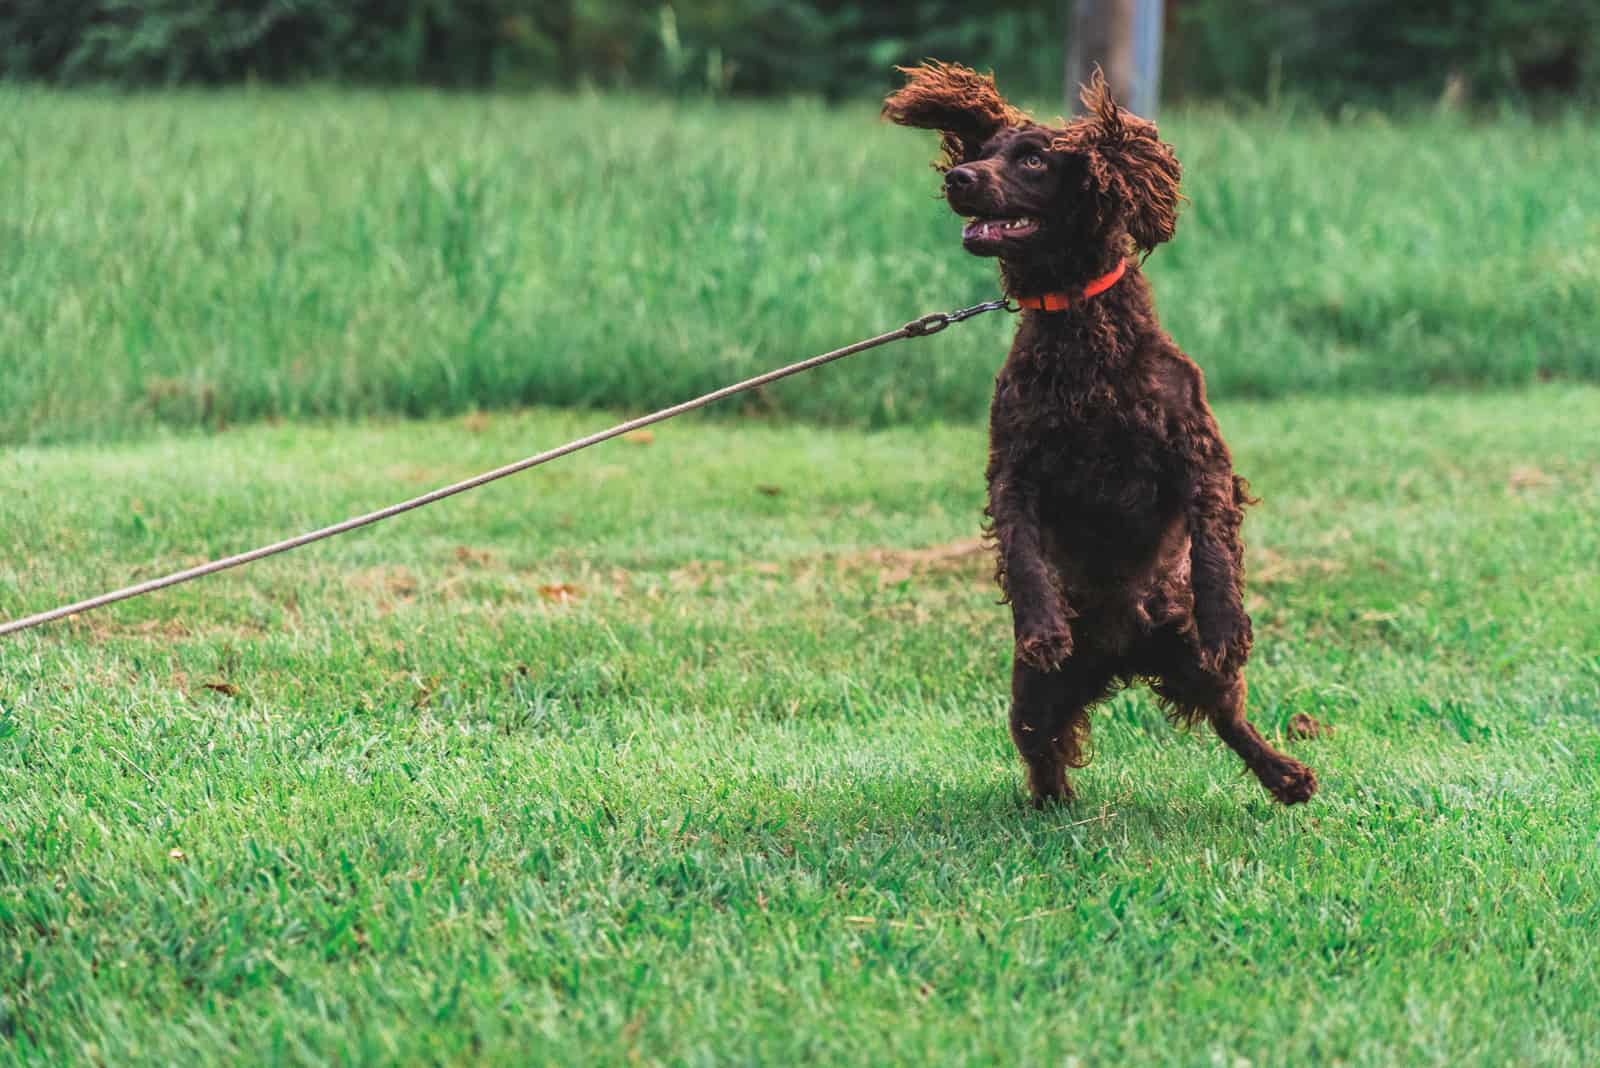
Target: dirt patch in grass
{"x":968,"y":555}
{"x":388,"y":585}
{"x":1268,"y":566}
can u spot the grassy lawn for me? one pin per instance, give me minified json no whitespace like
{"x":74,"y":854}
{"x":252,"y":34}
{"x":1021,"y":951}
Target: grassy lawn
{"x":213,"y":258}
{"x":692,"y":750}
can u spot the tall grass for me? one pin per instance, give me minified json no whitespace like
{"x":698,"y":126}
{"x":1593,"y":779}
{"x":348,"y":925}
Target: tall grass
{"x":190,"y":258}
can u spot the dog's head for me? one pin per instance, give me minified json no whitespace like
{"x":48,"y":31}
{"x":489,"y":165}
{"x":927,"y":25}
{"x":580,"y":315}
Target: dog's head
{"x":1032,"y":191}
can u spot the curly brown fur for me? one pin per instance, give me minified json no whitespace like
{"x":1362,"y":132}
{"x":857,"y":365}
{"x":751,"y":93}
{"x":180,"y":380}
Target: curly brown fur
{"x":963,"y":105}
{"x":1113,"y":507}
{"x":1127,"y":160}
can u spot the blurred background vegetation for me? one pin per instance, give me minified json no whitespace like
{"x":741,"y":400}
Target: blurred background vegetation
{"x":1335,"y":51}
{"x":475,"y":204}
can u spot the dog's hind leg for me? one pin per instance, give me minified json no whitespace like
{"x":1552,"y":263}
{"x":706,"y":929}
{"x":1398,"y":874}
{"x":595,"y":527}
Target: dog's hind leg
{"x":1223,"y":703}
{"x":1050,"y":722}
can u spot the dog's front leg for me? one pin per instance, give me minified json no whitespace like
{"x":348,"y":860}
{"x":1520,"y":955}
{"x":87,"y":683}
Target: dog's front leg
{"x":1039,"y":613}
{"x":1216,"y":571}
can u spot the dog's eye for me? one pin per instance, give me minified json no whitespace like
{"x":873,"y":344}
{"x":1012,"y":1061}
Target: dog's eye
{"x":1033,"y":161}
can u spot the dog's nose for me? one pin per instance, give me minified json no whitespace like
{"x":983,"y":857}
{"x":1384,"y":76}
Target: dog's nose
{"x":956,"y":177}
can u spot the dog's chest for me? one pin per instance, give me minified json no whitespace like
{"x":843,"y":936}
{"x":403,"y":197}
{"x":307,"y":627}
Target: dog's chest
{"x":1104,"y":481}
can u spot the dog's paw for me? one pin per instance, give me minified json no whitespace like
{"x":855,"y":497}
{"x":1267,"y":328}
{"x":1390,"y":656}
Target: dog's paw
{"x":1214,"y":656}
{"x":1224,"y":640}
{"x":1292,"y":783}
{"x":1045,"y":646}
{"x":1050,"y":799}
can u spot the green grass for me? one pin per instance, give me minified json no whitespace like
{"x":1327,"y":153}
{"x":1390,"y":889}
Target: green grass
{"x":743,"y":793}
{"x":207,"y":259}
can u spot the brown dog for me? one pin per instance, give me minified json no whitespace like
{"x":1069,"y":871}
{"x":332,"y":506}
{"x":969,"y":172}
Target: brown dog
{"x":1113,"y":505}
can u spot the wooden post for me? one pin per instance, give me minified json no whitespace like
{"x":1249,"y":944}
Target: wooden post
{"x":1124,"y":38}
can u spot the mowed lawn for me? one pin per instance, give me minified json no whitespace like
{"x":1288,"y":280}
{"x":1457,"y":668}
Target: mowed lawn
{"x":692,"y":750}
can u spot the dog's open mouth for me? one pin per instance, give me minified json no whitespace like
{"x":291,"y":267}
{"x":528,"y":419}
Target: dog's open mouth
{"x":995,"y":231}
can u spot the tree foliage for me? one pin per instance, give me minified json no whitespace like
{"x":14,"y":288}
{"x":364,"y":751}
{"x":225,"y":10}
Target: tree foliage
{"x":1366,"y":49}
{"x":1340,"y":49}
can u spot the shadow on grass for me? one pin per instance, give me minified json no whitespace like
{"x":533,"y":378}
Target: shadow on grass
{"x":997,"y":817}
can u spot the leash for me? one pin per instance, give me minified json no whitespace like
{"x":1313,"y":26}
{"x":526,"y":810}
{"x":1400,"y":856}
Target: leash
{"x":926,"y":326}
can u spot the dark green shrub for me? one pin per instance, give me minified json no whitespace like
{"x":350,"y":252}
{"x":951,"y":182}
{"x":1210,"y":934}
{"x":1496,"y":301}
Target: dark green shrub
{"x":1361,"y":50}
{"x":1336,"y":49}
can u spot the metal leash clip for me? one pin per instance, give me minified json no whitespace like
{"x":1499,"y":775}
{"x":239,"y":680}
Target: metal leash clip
{"x":932,"y":324}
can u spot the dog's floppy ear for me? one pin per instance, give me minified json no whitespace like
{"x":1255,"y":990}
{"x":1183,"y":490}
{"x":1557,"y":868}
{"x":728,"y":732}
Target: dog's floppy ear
{"x":963,"y":105}
{"x":1131,"y":164}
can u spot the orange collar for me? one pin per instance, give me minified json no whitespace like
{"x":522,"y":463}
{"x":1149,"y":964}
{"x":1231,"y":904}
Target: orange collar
{"x":1054,"y":302}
